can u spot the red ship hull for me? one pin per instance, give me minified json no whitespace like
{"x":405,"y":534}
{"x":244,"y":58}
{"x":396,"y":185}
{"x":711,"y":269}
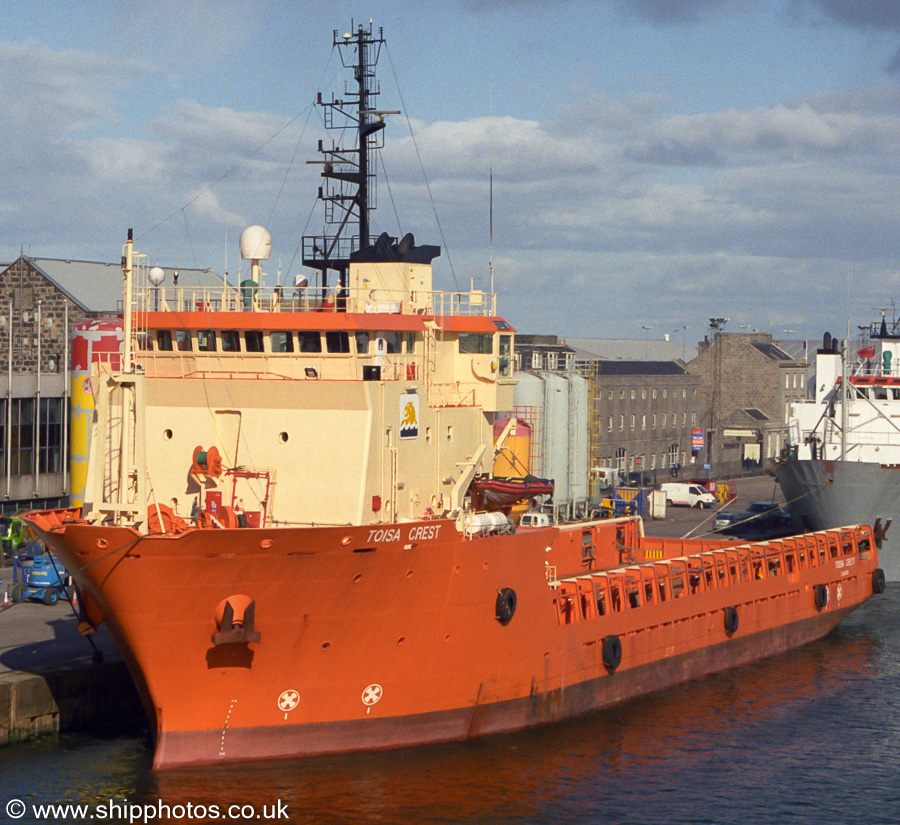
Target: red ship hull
{"x":379,"y":637}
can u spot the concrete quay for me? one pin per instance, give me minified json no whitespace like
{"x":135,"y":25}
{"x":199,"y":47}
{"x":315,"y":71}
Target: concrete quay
{"x":50,"y":678}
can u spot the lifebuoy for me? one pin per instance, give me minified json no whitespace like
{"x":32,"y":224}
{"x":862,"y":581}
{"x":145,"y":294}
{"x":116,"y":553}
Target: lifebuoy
{"x":878,"y":580}
{"x":820,"y":591}
{"x":506,"y":605}
{"x":612,"y":651}
{"x":731,"y":620}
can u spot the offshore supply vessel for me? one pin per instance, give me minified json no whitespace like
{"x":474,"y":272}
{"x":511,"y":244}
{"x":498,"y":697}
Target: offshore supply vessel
{"x":278,"y":523}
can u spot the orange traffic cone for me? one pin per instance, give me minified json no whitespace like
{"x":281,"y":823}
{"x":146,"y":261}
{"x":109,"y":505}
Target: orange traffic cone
{"x":75,"y":598}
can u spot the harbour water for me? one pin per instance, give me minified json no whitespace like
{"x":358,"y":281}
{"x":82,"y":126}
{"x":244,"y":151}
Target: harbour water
{"x":808,"y":737}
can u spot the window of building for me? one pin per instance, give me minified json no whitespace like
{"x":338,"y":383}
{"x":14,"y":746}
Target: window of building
{"x":50,"y":456}
{"x":21,"y":437}
{"x":632,"y":395}
{"x":609,"y":424}
{"x":311,"y":341}
{"x":673,"y":455}
{"x":621,"y":423}
{"x":653,"y":421}
{"x":337,"y":341}
{"x":253,"y":340}
{"x":632,"y":421}
{"x":664,"y":420}
{"x":654,"y":393}
{"x":643,"y":422}
{"x":552,"y":360}
{"x":787,"y":381}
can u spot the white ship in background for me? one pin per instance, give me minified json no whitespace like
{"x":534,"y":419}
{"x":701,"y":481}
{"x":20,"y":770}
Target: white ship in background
{"x":842,"y":464}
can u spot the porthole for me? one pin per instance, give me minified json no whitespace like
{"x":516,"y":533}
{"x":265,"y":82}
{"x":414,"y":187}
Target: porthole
{"x":167,"y":434}
{"x":283,"y":438}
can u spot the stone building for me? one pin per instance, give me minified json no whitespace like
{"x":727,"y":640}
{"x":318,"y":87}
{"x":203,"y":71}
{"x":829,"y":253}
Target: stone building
{"x":41,"y":302}
{"x":747,"y":382}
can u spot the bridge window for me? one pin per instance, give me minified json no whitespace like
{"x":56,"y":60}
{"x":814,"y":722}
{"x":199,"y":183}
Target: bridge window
{"x":391,"y":341}
{"x":475,"y":343}
{"x":253,"y":340}
{"x":281,"y":341}
{"x":164,"y":340}
{"x":310,"y":341}
{"x":183,"y":340}
{"x":362,"y":342}
{"x":231,"y":341}
{"x":206,"y":340}
{"x":337,"y":341}
{"x":505,"y":356}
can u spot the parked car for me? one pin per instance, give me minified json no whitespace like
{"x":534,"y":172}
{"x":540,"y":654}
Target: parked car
{"x":687,"y":495}
{"x":759,"y":517}
{"x":723,"y":521}
{"x":764,"y":514}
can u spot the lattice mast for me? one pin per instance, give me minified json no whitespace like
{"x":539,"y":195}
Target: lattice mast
{"x":349,"y":192}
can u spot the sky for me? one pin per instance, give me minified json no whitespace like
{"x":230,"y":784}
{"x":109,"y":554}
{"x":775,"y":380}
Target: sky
{"x":655,"y":163}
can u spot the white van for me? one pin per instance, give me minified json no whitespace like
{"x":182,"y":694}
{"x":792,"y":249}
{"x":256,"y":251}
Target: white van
{"x":687,"y":495}
{"x":608,"y":477}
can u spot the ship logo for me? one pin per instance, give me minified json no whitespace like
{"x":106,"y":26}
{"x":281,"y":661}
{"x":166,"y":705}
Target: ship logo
{"x":409,"y":415}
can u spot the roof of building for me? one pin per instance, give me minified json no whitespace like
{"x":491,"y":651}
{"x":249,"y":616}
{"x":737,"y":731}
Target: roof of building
{"x":755,"y":413}
{"x":97,"y":286}
{"x":630,"y":349}
{"x":771,"y":350}
{"x":639,"y":367}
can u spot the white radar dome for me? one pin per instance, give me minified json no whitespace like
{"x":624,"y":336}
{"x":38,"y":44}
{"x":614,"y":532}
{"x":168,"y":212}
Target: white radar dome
{"x":156,"y":275}
{"x":256,"y":243}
